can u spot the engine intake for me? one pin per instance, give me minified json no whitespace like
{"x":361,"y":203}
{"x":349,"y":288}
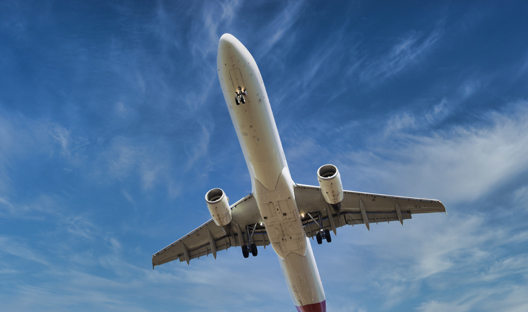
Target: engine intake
{"x":331,"y":186}
{"x":218,"y":206}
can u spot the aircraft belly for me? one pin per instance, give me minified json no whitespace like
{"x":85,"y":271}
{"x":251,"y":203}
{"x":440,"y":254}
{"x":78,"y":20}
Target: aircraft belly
{"x":272,"y":186}
{"x":258,"y":137}
{"x":280,"y":216}
{"x":302,"y":277}
{"x":253,"y":120}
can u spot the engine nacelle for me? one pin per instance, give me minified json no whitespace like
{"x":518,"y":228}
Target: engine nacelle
{"x":331,"y":187}
{"x":218,"y":207}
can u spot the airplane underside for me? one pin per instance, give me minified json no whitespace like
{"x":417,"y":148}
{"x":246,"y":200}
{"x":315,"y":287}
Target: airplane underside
{"x":278,"y":211}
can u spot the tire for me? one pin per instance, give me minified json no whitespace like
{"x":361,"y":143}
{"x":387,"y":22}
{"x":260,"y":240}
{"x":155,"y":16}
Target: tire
{"x":254,"y":250}
{"x":243,"y":100}
{"x":237,"y":101}
{"x":328,"y":237}
{"x":245,"y":251}
{"x":319,"y":238}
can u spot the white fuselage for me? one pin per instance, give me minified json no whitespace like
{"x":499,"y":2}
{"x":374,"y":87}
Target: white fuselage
{"x":272,"y":185}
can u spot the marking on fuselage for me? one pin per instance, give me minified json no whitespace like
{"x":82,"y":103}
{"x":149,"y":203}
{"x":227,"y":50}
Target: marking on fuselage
{"x":236,"y":78}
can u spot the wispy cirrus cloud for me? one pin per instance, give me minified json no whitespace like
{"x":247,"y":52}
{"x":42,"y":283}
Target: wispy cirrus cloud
{"x":504,"y":298}
{"x":206,"y":30}
{"x":470,"y":248}
{"x":464,"y":251}
{"x":20,"y":250}
{"x":22,"y":137}
{"x":460,"y":164}
{"x":408,"y":50}
{"x":279,"y":27}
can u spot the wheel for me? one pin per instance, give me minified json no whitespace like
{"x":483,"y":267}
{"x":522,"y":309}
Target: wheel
{"x":319,"y":238}
{"x":237,"y":101}
{"x":254,"y":250}
{"x":243,"y":100}
{"x":245,"y":251}
{"x":328,"y":237}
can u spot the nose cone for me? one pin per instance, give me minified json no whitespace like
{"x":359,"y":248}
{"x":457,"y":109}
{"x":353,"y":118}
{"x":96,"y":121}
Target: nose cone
{"x":229,"y":46}
{"x":227,"y":40}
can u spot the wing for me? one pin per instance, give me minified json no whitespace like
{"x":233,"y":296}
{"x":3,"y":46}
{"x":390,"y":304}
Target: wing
{"x":357,"y":208}
{"x":210,"y":238}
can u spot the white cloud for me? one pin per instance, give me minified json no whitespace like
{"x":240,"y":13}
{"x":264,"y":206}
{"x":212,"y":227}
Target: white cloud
{"x":22,"y":138}
{"x":461,"y":252}
{"x":460,"y":164}
{"x":435,"y":306}
{"x":498,"y":298}
{"x":20,"y":250}
{"x":121,"y":109}
{"x":279,"y":26}
{"x":520,"y":196}
{"x":79,"y":226}
{"x":126,"y":158}
{"x":211,"y":21}
{"x":404,"y":53}
{"x":6,"y":205}
{"x":399,"y":122}
{"x":62,"y":136}
{"x":128,"y":196}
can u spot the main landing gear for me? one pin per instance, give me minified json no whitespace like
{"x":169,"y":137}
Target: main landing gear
{"x":322,"y":233}
{"x":240,"y":96}
{"x":250,"y":247}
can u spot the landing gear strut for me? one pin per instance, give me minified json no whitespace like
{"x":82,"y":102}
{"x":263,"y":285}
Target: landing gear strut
{"x":322,"y":233}
{"x":250,"y":247}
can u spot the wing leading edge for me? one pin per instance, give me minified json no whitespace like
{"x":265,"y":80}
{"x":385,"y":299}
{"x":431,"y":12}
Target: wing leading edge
{"x":357,"y":208}
{"x":210,"y":238}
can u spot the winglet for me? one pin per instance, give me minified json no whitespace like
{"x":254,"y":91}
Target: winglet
{"x":445,"y":210}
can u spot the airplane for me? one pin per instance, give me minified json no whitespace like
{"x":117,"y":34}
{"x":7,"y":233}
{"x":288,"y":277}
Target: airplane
{"x":278,"y":211}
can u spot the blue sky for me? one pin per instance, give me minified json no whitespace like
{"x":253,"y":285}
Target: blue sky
{"x":113,"y":127}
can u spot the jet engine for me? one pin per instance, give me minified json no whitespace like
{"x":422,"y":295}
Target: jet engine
{"x":331,"y":187}
{"x":218,"y":207}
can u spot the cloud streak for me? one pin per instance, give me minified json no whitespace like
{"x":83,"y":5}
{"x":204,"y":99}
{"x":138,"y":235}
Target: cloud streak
{"x":408,"y":50}
{"x":460,"y":164}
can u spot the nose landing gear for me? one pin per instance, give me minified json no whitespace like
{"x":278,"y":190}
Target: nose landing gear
{"x":240,"y":96}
